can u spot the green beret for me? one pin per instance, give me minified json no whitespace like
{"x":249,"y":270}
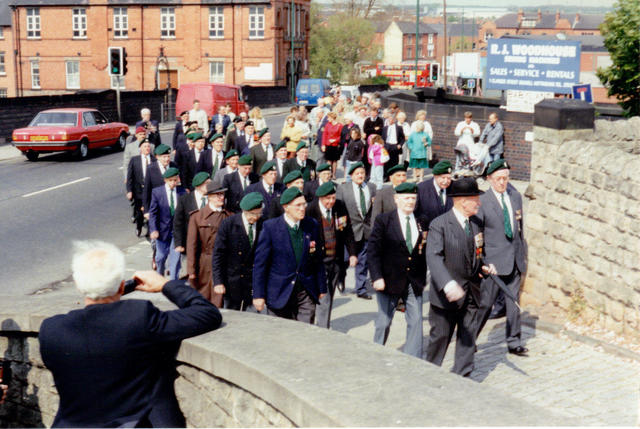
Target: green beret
{"x":323,"y":167}
{"x":162,"y":149}
{"x":245,"y":160}
{"x":289,"y":195}
{"x":281,"y":145}
{"x":406,"y":188}
{"x":200,"y":178}
{"x":194,"y":136}
{"x":231,"y":153}
{"x":294,"y":175}
{"x":251,"y":201}
{"x":443,"y":167}
{"x":171,"y":172}
{"x":396,"y":168}
{"x":301,"y":145}
{"x":355,"y":166}
{"x":268,"y":166}
{"x":498,"y":164}
{"x":263,"y":132}
{"x":325,"y":189}
{"x":216,"y":136}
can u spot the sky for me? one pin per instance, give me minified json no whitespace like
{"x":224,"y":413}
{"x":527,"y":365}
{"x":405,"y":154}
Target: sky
{"x":516,"y":3}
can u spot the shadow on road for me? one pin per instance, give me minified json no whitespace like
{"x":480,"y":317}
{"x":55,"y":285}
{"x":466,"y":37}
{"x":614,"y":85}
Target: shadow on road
{"x":346,"y":323}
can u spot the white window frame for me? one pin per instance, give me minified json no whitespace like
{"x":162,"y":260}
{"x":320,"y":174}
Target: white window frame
{"x":430,"y":51}
{"x":120,"y":23}
{"x":73,"y":75}
{"x":168,"y":22}
{"x":79,"y":22}
{"x":3,"y":69}
{"x":430,"y":39}
{"x":214,"y":76}
{"x":113,"y":80}
{"x":256,"y":22}
{"x":1,"y":33}
{"x":35,"y":77}
{"x":33,"y":23}
{"x":216,"y":22}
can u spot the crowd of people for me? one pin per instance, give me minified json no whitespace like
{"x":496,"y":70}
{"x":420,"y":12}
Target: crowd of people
{"x":265,"y":226}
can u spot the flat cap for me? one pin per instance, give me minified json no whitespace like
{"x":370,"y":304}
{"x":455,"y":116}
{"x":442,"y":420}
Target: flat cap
{"x":498,"y":164}
{"x":268,"y":166}
{"x":171,"y":172}
{"x":200,"y":178}
{"x":294,"y":175}
{"x":355,"y":166}
{"x":289,"y":195}
{"x":443,"y":167}
{"x":215,"y":188}
{"x":325,"y":189}
{"x":162,"y":149}
{"x":245,"y":160}
{"x":251,"y":201}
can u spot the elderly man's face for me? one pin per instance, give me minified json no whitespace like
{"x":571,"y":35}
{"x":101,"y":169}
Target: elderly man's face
{"x":296,"y":208}
{"x":406,"y":202}
{"x":164,"y":159}
{"x":145,"y":116}
{"x":398,"y":178}
{"x":217,"y":144}
{"x":499,"y":180}
{"x":199,"y":144}
{"x":233,"y":162}
{"x":222,"y":110}
{"x":282,"y":153}
{"x":443,"y":180}
{"x":172,"y":181}
{"x":303,"y":154}
{"x":325,"y":176}
{"x":298,"y":183}
{"x":468,"y":205}
{"x":266,"y":139}
{"x":253,"y":215}
{"x":145,"y":148}
{"x":245,"y":170}
{"x":328,"y":201}
{"x":216,"y":200}
{"x":249,"y":129}
{"x":493,"y":118}
{"x":203,"y":188}
{"x":270,"y":177}
{"x":358,"y":176}
{"x":243,"y":116}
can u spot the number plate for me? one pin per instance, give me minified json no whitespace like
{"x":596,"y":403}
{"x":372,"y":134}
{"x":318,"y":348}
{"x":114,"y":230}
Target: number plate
{"x":38,"y":138}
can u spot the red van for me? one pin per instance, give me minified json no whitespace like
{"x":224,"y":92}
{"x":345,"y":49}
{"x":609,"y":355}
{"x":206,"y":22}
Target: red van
{"x":211,"y":96}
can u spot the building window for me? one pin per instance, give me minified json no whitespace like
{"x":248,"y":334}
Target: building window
{"x":256,"y":22}
{"x":120,"y":22}
{"x":488,"y":36}
{"x":2,"y":66}
{"x":33,"y":22}
{"x":216,"y":72}
{"x":3,"y":93}
{"x":35,"y":74}
{"x":409,"y":52}
{"x":80,"y":23}
{"x":168,"y":22}
{"x":430,"y":51}
{"x":1,"y":33}
{"x":288,"y":29}
{"x":430,"y":39}
{"x":216,"y":22}
{"x":114,"y":82}
{"x":73,"y":74}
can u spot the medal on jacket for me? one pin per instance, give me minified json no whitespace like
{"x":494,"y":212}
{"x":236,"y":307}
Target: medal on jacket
{"x":341,"y":222}
{"x":423,"y":240}
{"x":479,"y":243}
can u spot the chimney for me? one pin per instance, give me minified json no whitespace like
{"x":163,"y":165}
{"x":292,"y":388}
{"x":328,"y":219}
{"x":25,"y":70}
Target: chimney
{"x":539,"y":15}
{"x":520,"y":16}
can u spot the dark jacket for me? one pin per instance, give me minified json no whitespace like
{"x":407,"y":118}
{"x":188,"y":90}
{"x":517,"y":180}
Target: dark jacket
{"x":429,"y":206}
{"x":278,"y":189}
{"x":179,"y":137}
{"x":371,"y":126}
{"x":355,"y":150}
{"x":259,"y":157}
{"x":234,"y":191}
{"x":160,"y":218}
{"x":216,"y":119}
{"x":308,"y":172}
{"x":186,"y":204}
{"x":114,"y":364}
{"x":233,"y":257}
{"x":310,"y":189}
{"x":389,"y":259}
{"x":205,"y":163}
{"x":152,"y":180}
{"x":135,"y":179}
{"x":342,"y":224}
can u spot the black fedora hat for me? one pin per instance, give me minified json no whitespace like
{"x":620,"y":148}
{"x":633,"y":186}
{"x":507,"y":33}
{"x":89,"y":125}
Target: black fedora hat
{"x":464,"y":187}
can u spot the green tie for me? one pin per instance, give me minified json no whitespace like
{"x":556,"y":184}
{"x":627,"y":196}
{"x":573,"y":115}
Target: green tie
{"x":507,"y":224}
{"x":172,"y":204}
{"x":270,"y":190}
{"x":215,"y":166}
{"x":442,"y":197}
{"x":408,"y":234}
{"x":467,"y":227}
{"x":251,"y":234}
{"x":203,"y":201}
{"x":329,"y":216}
{"x":363,"y":203}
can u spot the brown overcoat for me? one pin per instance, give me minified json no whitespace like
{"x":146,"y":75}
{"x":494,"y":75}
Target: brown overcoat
{"x":201,"y":236}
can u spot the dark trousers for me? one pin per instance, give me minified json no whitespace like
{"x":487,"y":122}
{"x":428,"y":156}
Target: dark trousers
{"x":323,"y":309}
{"x":242,"y":304}
{"x":394,"y":156}
{"x":490,"y":292}
{"x":443,"y":322}
{"x":300,"y":306}
{"x":138,"y":214}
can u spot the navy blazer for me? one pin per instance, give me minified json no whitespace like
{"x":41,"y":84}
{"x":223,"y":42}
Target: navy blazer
{"x":428,"y":206}
{"x":178,"y":135}
{"x":205,"y":163}
{"x":135,"y":178}
{"x":234,"y":191}
{"x":152,"y":180}
{"x":226,"y":120}
{"x":114,"y":364}
{"x":275,"y":271}
{"x":278,"y":189}
{"x":242,"y":146}
{"x":160,"y":218}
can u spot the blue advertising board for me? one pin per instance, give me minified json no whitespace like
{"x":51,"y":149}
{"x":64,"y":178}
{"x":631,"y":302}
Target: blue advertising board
{"x":533,"y":65}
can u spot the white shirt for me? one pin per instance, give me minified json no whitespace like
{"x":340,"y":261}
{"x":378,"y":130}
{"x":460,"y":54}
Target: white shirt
{"x":507,"y":202}
{"x":392,"y":138}
{"x":245,"y":222}
{"x":268,"y":149}
{"x":280,"y":166}
{"x":169,"y":192}
{"x":197,"y":154}
{"x":413,"y":225}
{"x":162,"y":169}
{"x":444,"y":195}
{"x":146,"y":161}
{"x":325,"y":211}
{"x":198,"y":196}
{"x":461,"y":125}
{"x":266,"y":186}
{"x":367,"y":197}
{"x":216,"y":159}
{"x":244,"y":180}
{"x":292,"y":223}
{"x":200,"y":116}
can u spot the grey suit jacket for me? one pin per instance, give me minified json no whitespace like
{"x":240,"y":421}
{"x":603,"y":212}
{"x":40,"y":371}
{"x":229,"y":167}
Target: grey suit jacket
{"x":219,"y":176}
{"x":361,"y":225}
{"x":498,"y":249}
{"x":451,"y":255}
{"x":384,"y":201}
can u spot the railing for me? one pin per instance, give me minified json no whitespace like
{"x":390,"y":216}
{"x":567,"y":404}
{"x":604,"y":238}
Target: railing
{"x":167,"y":112}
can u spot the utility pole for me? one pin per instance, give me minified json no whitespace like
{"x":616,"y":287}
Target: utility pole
{"x":444,"y":12}
{"x":415,"y":83}
{"x":292,"y":27}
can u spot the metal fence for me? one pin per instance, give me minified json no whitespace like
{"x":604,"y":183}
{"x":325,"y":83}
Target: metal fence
{"x":168,"y":112}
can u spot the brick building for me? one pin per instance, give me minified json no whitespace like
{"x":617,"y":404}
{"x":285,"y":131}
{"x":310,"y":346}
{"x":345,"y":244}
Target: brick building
{"x":7,"y":74}
{"x":62,"y":45}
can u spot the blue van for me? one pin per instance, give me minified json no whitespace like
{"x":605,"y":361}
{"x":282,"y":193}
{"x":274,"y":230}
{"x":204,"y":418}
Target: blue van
{"x":309,"y":91}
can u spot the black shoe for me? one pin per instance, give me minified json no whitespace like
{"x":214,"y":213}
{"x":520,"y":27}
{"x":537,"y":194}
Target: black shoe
{"x":364,"y":296}
{"x":498,"y":314}
{"x":341,"y":287}
{"x":520,"y":351}
{"x":138,"y":232}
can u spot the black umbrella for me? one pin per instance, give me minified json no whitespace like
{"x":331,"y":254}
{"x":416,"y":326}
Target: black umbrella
{"x":505,"y":289}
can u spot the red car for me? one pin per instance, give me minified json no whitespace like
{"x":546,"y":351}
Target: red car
{"x":73,"y":130}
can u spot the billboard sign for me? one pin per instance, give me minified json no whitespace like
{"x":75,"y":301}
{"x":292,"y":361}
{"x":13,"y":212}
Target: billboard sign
{"x":533,"y":65}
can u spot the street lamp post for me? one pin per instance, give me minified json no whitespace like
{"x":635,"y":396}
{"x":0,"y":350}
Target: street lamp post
{"x":292,"y":62}
{"x":444,"y":13}
{"x":415,"y":83}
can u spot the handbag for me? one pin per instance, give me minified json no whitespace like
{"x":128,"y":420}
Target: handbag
{"x":384,"y":156}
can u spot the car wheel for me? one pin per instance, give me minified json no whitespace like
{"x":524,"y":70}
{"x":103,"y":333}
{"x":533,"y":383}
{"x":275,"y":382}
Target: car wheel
{"x":83,"y":150}
{"x":121,"y":143}
{"x":32,"y":155}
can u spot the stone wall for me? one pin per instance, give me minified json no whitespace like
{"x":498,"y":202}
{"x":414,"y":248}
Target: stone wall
{"x":583,"y":224}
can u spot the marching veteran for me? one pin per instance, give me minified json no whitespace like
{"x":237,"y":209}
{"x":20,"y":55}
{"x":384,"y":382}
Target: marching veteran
{"x":288,"y":273}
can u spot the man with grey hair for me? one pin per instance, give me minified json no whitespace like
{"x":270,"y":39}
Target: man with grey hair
{"x":113,"y":361}
{"x":150,"y":125}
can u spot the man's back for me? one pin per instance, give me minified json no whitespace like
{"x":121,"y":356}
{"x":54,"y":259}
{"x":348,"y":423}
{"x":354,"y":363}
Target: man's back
{"x":114,"y":363}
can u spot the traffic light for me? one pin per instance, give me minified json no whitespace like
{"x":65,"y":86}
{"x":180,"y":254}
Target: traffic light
{"x":115,"y":61}
{"x":124,"y":61}
{"x":435,"y":70}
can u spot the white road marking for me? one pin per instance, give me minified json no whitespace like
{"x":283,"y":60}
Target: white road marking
{"x":120,"y":168}
{"x":56,"y":187}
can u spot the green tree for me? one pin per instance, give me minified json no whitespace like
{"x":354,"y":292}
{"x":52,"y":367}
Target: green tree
{"x":338,"y":44}
{"x":621,"y":31}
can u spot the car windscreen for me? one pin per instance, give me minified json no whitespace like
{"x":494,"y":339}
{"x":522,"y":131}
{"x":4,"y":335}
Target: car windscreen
{"x":315,"y":88}
{"x":303,"y":88}
{"x":54,"y":118}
